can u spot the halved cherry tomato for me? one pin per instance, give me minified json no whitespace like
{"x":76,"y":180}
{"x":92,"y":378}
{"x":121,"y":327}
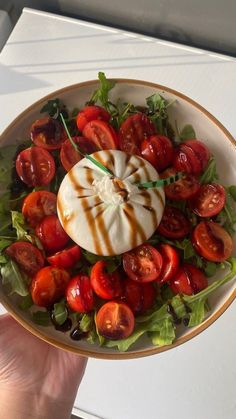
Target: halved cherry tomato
{"x":69,"y":156}
{"x":212,"y":241}
{"x":51,"y":234}
{"x":133,"y":131}
{"x":158,"y":150}
{"x":37,"y":205}
{"x":182,"y":189}
{"x":170,"y":263}
{"x":209,"y":200}
{"x":174,"y":224}
{"x":35,"y":166}
{"x":142,"y":264}
{"x":105,"y":285}
{"x":102,"y":134}
{"x":29,"y":258}
{"x":48,"y":133}
{"x":188,"y":280}
{"x":79,"y":294}
{"x":191,"y":156}
{"x":139,"y":297}
{"x":65,"y":258}
{"x":49,"y":285}
{"x":115,"y":321}
{"x":89,"y":113}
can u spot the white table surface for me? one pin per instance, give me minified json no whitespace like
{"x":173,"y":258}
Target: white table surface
{"x":46,"y":52}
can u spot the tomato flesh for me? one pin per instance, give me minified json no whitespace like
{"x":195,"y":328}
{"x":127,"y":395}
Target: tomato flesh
{"x":184,"y":188}
{"x":133,"y":131}
{"x":49,"y":285}
{"x":191,"y":156}
{"x":101,"y":134}
{"x":29,"y":258}
{"x":37,"y":205}
{"x":105,"y":285}
{"x":158,"y":150}
{"x":174,"y":224}
{"x":48,"y":133}
{"x":70,"y":156}
{"x":139,"y":297}
{"x":90,"y":113}
{"x":115,"y":321}
{"x":66,"y":258}
{"x":212,"y":241}
{"x":35,"y":166}
{"x":188,"y":280}
{"x":51,"y":234}
{"x":209,"y":200}
{"x":170,"y":266}
{"x":142,"y":264}
{"x":79,"y":294}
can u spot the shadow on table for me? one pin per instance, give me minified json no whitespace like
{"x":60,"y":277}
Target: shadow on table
{"x":12,"y":81}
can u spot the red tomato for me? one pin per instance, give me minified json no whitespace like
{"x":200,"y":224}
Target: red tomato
{"x":66,"y":258}
{"x":35,"y":166}
{"x":90,"y":113}
{"x":158,"y":150}
{"x":182,"y":189}
{"x":188,"y":280}
{"x":174,"y":224}
{"x":51,"y":234}
{"x":209,"y":200}
{"x":49,"y":285}
{"x":212,"y":241}
{"x":79,"y":294}
{"x":133,"y":131}
{"x":37,"y":205}
{"x":170,"y":263}
{"x":115,"y":321}
{"x":139,"y":297}
{"x":142,"y":264}
{"x":105,"y":285}
{"x":48,"y":133}
{"x":191,"y":157}
{"x":69,"y":156}
{"x":27,"y":256}
{"x":101,"y":134}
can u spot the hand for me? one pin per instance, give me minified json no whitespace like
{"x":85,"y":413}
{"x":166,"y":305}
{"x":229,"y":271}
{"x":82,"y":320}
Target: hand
{"x":36,"y":379}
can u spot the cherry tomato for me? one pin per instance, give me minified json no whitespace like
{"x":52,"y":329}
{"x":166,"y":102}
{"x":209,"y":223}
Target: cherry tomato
{"x":158,"y":150}
{"x":101,"y":134}
{"x":182,"y":189}
{"x":69,"y":156}
{"x":79,"y":294}
{"x":133,"y":131}
{"x":191,"y":157}
{"x":105,"y":285}
{"x":37,"y":205}
{"x":142,"y":264}
{"x":212,"y":241}
{"x":139,"y":297}
{"x":35,"y":166}
{"x":209,"y":200}
{"x":48,"y":133}
{"x":188,"y":280}
{"x":51,"y":234}
{"x":174,"y":224}
{"x":49,"y":285}
{"x":27,"y":256}
{"x":170,"y":263}
{"x":65,"y":258}
{"x":90,"y":113}
{"x":115,"y":321}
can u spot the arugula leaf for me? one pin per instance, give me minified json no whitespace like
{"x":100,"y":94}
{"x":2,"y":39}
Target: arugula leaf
{"x":166,"y":334}
{"x":227,"y":216}
{"x":113,"y":262}
{"x":52,"y":108}
{"x":86,"y":323}
{"x":41,"y":318}
{"x":101,"y":94}
{"x":232,"y":191}
{"x":210,"y":175}
{"x":60,"y":312}
{"x":18,"y":223}
{"x":157,"y":111}
{"x":187,"y":133}
{"x":14,"y":278}
{"x":26,"y":302}
{"x":210,"y":269}
{"x":7,"y":155}
{"x":4,"y":243}
{"x":198,"y":313}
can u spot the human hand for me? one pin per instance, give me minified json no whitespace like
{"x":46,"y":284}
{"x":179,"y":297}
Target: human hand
{"x":36,"y":379}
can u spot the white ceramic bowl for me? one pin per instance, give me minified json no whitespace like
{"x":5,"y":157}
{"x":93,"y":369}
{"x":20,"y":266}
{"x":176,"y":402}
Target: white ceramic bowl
{"x":185,"y":111}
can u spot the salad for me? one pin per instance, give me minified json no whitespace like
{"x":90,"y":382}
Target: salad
{"x":112,"y":223}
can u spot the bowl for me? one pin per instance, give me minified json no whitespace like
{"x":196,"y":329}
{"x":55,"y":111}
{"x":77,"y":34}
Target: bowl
{"x":185,"y":111}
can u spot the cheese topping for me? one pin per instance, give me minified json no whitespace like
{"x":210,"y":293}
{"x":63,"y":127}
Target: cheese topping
{"x":109,"y":215}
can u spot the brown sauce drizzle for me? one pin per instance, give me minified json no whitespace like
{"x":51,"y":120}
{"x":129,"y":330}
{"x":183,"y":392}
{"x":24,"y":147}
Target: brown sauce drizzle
{"x":149,"y":207}
{"x":103,"y":231}
{"x":135,"y":227}
{"x":99,"y":158}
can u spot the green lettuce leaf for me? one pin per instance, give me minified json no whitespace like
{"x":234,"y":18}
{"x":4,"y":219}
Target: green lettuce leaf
{"x":187,"y":133}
